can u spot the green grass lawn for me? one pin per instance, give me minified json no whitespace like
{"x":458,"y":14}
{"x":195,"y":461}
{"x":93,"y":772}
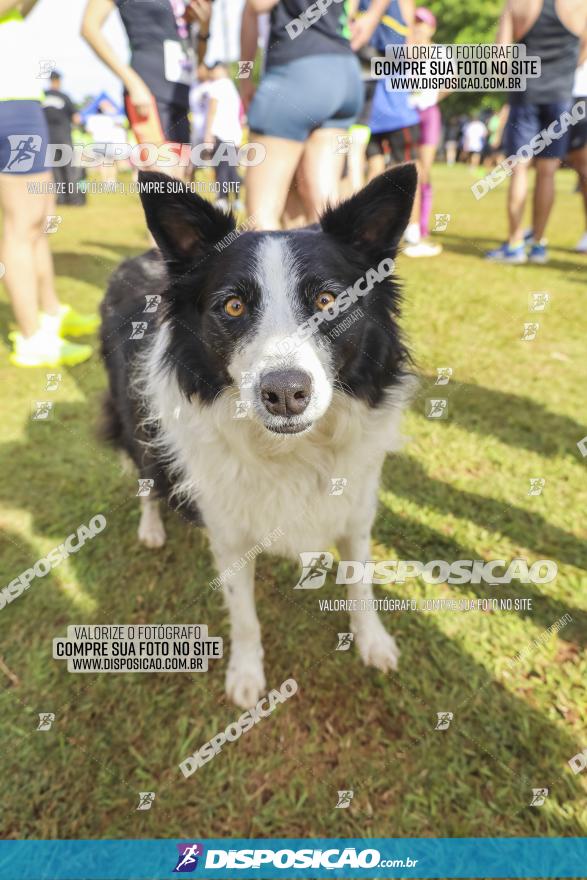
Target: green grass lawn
{"x":458,"y":491}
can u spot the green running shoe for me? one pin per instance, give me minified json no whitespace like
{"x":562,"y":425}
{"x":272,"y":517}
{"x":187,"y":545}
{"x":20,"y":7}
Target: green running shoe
{"x":70,"y":323}
{"x":46,"y":350}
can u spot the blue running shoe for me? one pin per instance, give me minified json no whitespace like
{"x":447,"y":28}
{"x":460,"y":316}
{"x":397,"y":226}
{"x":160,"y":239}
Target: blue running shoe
{"x":507,"y":254}
{"x":529,"y":236}
{"x":538,"y":253}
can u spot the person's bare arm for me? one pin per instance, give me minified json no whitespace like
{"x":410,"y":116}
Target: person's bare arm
{"x":249,"y":33}
{"x":10,"y":6}
{"x":200,"y":11}
{"x":363,"y":27}
{"x":583,"y":48}
{"x":27,"y":5}
{"x":408,"y":10}
{"x":22,"y":6}
{"x":210,"y":116}
{"x":505,"y":28}
{"x":249,"y":43}
{"x":95,"y":15}
{"x":503,"y":118}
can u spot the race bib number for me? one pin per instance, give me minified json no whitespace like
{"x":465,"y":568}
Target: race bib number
{"x":178,"y":65}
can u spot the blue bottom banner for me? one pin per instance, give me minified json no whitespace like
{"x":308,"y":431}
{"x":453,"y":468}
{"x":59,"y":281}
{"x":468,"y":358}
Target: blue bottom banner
{"x":291,"y":858}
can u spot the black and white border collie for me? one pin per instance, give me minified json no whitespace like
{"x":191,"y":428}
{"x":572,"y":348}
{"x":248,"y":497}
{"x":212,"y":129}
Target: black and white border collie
{"x":236,"y":334}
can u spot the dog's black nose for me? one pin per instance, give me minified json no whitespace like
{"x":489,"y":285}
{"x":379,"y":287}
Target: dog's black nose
{"x":286,"y":392}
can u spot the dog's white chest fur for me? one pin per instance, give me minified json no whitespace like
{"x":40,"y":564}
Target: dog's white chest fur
{"x":249,"y":482}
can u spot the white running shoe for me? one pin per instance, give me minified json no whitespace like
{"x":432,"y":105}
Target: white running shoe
{"x":44,"y":349}
{"x":582,"y":246}
{"x":423,"y":249}
{"x":412,"y":233}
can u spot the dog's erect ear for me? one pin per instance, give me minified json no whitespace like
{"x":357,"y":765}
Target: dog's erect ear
{"x":184,"y":225}
{"x":374,"y":219}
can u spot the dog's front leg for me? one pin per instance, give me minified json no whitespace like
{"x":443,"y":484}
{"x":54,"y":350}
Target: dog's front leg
{"x":245,"y":678}
{"x":376,"y":646}
{"x":151,"y":529}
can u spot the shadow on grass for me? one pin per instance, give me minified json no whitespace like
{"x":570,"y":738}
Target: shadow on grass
{"x":123,"y":251}
{"x":412,"y":540}
{"x":7,"y":322}
{"x":513,"y":419}
{"x":91,"y":268}
{"x":436,"y":675}
{"x":460,"y":244}
{"x":351,"y":727}
{"x":406,"y":477}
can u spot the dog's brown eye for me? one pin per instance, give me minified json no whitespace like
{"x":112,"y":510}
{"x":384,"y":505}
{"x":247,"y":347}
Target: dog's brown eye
{"x":234,"y":307}
{"x":324,"y":299}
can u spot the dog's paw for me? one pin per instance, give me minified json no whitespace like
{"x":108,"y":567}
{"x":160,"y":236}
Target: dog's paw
{"x":245,"y":678}
{"x":152,"y":532}
{"x":376,"y":646}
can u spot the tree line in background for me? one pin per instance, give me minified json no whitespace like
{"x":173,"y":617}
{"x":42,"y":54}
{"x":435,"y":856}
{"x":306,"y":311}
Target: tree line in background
{"x":472,"y":21}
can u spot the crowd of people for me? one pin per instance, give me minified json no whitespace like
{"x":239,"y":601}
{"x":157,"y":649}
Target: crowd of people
{"x":306,"y":95}
{"x":556,"y":32}
{"x":43,"y":321}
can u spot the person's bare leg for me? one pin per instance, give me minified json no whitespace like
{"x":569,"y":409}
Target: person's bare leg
{"x":24,"y":214}
{"x":356,"y":158}
{"x":427,"y":154}
{"x":321,"y":171}
{"x":375,"y":166}
{"x":578,"y":159}
{"x":543,"y":195}
{"x":267,"y":184}
{"x":415,"y":216}
{"x":294,"y":214}
{"x":517,"y":201}
{"x":151,"y":531}
{"x":180,"y":170}
{"x":48,"y":301}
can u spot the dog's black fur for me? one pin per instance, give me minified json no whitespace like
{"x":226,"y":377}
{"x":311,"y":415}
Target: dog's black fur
{"x":194,"y":279}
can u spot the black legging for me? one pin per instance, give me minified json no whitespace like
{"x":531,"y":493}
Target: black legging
{"x":226,"y":173}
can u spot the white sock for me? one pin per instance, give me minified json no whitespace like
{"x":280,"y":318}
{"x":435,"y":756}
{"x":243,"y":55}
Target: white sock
{"x":412,"y":233}
{"x":51,"y":323}
{"x":38,"y":342}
